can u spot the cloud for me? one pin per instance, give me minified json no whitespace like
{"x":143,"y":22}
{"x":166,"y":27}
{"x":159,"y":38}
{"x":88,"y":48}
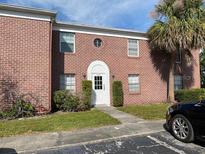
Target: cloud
{"x":133,"y":14}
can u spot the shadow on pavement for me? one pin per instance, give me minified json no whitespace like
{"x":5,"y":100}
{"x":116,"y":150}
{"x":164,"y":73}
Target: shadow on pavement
{"x":199,"y":140}
{"x":7,"y":151}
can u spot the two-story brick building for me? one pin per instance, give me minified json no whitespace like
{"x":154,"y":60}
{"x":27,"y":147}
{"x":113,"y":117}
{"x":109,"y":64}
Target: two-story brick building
{"x":45,"y":55}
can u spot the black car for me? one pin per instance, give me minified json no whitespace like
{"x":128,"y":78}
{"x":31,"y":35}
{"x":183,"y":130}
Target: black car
{"x":186,"y":120}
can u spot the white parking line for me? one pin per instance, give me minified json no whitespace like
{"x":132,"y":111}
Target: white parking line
{"x":166,"y":145}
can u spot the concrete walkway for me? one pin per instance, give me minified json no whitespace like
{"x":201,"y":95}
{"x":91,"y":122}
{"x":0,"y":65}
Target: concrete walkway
{"x":123,"y":117}
{"x":130,"y":126}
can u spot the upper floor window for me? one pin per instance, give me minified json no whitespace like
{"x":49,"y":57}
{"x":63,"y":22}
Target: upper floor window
{"x":67,"y":42}
{"x":98,"y":42}
{"x":133,"y":48}
{"x":178,"y":82}
{"x":178,"y":56}
{"x":67,"y":82}
{"x":133,"y":83}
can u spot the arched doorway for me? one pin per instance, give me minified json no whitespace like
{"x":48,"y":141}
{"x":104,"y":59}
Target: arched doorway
{"x":98,"y":72}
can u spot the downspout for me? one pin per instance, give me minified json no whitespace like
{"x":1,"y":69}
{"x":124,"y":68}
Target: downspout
{"x":50,"y":64}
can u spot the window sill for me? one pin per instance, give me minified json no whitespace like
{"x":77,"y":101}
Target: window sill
{"x":133,"y":57}
{"x":68,"y":53}
{"x":134,"y":93}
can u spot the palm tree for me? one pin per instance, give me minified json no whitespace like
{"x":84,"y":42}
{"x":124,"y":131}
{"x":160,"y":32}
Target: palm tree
{"x":179,"y":25}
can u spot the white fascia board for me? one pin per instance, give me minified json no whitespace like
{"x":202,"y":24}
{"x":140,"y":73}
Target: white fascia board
{"x":97,"y":33}
{"x":24,"y":15}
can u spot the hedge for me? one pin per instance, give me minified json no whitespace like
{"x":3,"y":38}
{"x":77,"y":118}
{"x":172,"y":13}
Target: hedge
{"x":66,"y":101}
{"x":190,"y":95}
{"x":87,"y":92}
{"x":117,"y":92}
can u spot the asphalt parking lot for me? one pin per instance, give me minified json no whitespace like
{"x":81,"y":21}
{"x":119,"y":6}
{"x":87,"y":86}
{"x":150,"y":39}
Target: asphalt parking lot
{"x":162,"y":143}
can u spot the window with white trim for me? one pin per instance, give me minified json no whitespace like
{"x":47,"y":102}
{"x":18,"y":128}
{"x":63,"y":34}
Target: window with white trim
{"x":178,"y":82}
{"x":67,"y":42}
{"x":133,"y":48}
{"x":133,"y":83}
{"x":67,"y":82}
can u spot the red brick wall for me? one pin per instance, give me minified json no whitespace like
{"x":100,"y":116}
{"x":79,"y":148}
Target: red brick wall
{"x":114,"y":54}
{"x":25,"y":55}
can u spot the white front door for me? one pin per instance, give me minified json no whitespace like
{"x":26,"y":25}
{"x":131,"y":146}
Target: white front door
{"x":98,"y":72}
{"x":99,"y":89}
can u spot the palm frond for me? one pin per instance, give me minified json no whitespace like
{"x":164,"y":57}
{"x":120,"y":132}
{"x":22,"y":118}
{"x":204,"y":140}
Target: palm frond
{"x":179,"y":28}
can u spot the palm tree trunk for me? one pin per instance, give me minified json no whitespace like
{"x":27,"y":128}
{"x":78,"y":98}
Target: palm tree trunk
{"x":171,"y":80}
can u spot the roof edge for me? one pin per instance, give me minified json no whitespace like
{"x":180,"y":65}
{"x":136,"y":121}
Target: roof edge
{"x":16,"y":8}
{"x":100,"y":29}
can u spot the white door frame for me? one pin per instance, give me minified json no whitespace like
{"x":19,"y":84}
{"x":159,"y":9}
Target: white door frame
{"x":100,"y":67}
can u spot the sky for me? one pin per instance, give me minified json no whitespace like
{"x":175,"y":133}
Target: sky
{"x":126,"y":14}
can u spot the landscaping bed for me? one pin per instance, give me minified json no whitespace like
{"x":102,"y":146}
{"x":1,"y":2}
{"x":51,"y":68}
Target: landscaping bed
{"x":148,"y":111}
{"x":56,"y":122}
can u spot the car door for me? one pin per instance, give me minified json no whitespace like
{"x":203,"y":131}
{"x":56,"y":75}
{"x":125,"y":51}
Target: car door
{"x":197,"y":115}
{"x":202,"y":114}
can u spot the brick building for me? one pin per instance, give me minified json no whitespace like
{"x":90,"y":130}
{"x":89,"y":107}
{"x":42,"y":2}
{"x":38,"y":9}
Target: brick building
{"x":44,"y":55}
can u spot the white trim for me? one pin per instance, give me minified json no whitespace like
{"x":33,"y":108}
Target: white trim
{"x":138,"y":48}
{"x":134,"y":75}
{"x":65,"y":77}
{"x":24,"y":15}
{"x":97,"y":33}
{"x":60,"y":44}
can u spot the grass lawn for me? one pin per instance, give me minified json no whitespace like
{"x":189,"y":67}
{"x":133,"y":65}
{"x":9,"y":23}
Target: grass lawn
{"x":57,"y":122}
{"x":148,"y":112}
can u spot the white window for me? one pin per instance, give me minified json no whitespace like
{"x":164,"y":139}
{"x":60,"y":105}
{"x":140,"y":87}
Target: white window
{"x":178,"y":56}
{"x":67,"y":42}
{"x":67,"y":82}
{"x":133,"y":48}
{"x":133,"y":83}
{"x":178,"y":82}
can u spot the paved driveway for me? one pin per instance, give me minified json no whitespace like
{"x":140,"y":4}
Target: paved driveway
{"x":162,"y":143}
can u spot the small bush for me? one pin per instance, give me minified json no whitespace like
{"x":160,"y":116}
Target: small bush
{"x":19,"y":109}
{"x":71,"y":103}
{"x":87,"y":94}
{"x":190,"y":95}
{"x":66,"y":101}
{"x":117,"y":93}
{"x":59,"y":98}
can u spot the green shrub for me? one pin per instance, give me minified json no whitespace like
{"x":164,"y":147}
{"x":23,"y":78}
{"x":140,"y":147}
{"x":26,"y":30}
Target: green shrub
{"x":87,"y":94}
{"x":190,"y":95}
{"x":19,"y":109}
{"x":117,"y":93}
{"x":23,"y":109}
{"x":71,"y":103}
{"x":7,"y":114}
{"x":59,"y":98}
{"x":66,"y":101}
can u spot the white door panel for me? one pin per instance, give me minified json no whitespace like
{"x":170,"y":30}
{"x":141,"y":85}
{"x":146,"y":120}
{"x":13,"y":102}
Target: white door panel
{"x":99,"y":88}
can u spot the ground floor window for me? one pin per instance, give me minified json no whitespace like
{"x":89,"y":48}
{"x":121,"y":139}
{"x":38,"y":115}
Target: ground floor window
{"x":178,"y":82}
{"x":133,"y":83}
{"x":67,"y":82}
